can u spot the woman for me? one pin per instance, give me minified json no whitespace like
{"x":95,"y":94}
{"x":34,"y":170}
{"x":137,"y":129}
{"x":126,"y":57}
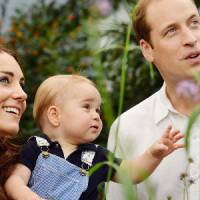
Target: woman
{"x":12,"y":106}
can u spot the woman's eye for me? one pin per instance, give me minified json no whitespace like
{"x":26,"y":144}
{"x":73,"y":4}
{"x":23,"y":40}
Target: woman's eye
{"x":4,"y":80}
{"x":22,"y":86}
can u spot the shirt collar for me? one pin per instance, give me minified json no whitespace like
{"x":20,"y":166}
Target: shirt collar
{"x":163,"y":105}
{"x":48,"y":139}
{"x":88,"y":146}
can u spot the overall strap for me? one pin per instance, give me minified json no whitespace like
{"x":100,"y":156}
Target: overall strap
{"x":41,"y":141}
{"x":43,"y":144}
{"x":87,"y":158}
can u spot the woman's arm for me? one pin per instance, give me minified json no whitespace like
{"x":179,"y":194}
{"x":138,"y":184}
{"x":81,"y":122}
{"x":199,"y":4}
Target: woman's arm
{"x":16,"y":185}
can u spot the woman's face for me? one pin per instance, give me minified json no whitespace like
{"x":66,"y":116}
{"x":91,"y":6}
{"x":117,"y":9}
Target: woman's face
{"x":12,"y":95}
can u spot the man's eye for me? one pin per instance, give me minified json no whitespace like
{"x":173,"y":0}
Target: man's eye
{"x":195,"y":22}
{"x":170,"y":31}
{"x":4,"y":80}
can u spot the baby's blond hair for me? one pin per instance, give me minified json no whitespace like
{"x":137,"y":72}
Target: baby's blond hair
{"x":50,"y":89}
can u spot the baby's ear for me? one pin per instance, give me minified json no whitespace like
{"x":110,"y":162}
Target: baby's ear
{"x":53,"y":116}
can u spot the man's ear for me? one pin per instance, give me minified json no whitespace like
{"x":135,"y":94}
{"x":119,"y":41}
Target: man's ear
{"x":147,"y":50}
{"x":53,"y":116}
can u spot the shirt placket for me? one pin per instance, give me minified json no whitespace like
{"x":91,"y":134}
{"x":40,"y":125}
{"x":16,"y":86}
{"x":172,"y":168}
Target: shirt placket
{"x":194,"y":169}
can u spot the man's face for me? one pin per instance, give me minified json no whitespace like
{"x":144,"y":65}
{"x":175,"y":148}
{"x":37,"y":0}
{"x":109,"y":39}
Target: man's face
{"x":175,"y":38}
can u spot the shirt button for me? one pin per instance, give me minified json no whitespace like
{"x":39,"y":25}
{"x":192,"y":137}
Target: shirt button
{"x":193,"y":172}
{"x":57,"y":145}
{"x":194,"y":136}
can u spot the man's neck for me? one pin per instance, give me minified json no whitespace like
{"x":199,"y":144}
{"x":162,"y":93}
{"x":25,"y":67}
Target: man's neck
{"x":183,"y":105}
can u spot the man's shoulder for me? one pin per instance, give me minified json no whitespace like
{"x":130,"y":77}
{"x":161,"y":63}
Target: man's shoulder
{"x":145,"y":107}
{"x":134,"y":124}
{"x":137,"y":116}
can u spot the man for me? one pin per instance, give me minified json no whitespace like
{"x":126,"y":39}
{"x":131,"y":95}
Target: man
{"x":169,"y":36}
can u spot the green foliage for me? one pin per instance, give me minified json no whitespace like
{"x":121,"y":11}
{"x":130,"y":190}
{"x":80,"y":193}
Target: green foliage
{"x":70,"y":38}
{"x":49,"y":40}
{"x":52,"y":39}
{"x":197,"y":3}
{"x":108,"y":39}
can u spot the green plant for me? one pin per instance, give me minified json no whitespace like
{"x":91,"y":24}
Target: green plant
{"x":71,"y":38}
{"x":50,"y":40}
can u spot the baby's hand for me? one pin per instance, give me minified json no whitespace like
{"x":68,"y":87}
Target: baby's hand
{"x":166,"y":144}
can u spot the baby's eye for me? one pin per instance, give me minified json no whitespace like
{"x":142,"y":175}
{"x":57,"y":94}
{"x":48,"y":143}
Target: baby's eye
{"x":98,"y":110}
{"x":4,"y":80}
{"x":86,"y":106}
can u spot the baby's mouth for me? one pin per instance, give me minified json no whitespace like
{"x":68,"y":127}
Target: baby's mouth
{"x":95,"y":127}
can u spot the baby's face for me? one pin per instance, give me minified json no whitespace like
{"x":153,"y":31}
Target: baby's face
{"x":80,"y":120}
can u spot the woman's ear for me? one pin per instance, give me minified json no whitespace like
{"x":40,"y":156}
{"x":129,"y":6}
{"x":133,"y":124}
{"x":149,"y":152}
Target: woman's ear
{"x":147,"y":50}
{"x":53,"y":116}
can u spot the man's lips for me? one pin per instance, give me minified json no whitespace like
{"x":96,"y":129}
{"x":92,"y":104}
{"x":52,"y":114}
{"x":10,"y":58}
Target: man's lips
{"x":193,"y":57}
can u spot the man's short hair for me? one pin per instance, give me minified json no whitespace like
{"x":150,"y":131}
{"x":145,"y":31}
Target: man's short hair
{"x":141,"y":27}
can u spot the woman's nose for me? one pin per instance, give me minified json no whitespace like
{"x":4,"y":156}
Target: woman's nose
{"x":19,"y":93}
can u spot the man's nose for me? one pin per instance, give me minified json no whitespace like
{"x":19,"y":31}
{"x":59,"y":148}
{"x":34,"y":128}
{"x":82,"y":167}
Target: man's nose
{"x":189,"y":37}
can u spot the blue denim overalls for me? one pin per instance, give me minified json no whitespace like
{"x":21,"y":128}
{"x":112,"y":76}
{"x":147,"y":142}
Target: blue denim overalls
{"x":54,"y":178}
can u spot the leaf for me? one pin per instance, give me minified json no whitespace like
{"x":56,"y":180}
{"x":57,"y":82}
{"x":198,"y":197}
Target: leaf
{"x":152,"y":75}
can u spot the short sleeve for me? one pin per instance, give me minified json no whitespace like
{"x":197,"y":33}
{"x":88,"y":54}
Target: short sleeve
{"x":104,"y":155}
{"x":29,"y":153}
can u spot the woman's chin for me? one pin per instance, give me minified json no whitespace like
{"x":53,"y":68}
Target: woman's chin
{"x":9,"y":132}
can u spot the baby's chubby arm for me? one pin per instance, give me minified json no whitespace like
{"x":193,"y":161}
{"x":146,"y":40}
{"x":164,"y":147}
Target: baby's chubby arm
{"x":16,"y":185}
{"x":145,"y":164}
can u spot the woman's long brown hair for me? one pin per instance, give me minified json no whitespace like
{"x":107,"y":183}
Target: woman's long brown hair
{"x":8,"y":157}
{"x":9,"y":152}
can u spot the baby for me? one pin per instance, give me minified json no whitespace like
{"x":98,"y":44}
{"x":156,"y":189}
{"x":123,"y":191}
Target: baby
{"x":55,"y":166}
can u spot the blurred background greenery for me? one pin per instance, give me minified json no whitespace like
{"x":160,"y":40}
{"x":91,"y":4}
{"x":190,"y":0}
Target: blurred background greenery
{"x":80,"y":36}
{"x":84,"y":36}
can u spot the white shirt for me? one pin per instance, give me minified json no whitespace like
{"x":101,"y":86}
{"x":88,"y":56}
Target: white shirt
{"x":139,"y":128}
